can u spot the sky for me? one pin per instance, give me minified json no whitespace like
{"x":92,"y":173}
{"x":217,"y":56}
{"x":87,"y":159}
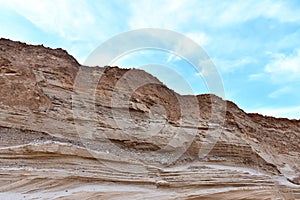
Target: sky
{"x":255,"y":45}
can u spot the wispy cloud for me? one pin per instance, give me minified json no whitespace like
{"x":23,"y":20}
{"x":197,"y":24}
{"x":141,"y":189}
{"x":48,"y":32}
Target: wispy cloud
{"x":173,"y":58}
{"x":145,"y":14}
{"x":256,"y":77}
{"x":280,"y":92}
{"x":247,"y":10}
{"x":219,"y":14}
{"x":284,"y":68}
{"x":70,"y":19}
{"x":200,"y":38}
{"x":234,"y":64}
{"x":281,"y":69}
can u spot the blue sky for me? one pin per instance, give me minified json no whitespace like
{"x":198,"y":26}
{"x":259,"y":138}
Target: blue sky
{"x":255,"y":45}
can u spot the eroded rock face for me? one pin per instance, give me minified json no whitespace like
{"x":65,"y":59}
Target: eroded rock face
{"x":74,"y":132}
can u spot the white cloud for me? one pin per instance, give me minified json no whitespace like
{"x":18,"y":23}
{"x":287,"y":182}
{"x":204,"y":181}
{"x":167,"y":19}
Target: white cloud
{"x":288,"y":112}
{"x":199,"y":37}
{"x":72,"y":20}
{"x":69,"y":19}
{"x":255,"y":77}
{"x":204,"y":72}
{"x":157,"y":14}
{"x":280,"y":92}
{"x":178,"y":13}
{"x":284,"y":68}
{"x":282,"y":11}
{"x":234,"y":64}
{"x":173,"y":58}
{"x":241,"y":11}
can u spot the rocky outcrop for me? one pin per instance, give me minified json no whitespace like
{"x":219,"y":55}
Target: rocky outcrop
{"x":75,"y":132}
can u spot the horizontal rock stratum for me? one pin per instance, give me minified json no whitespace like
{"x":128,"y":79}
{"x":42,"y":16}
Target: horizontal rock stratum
{"x":69,"y":131}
